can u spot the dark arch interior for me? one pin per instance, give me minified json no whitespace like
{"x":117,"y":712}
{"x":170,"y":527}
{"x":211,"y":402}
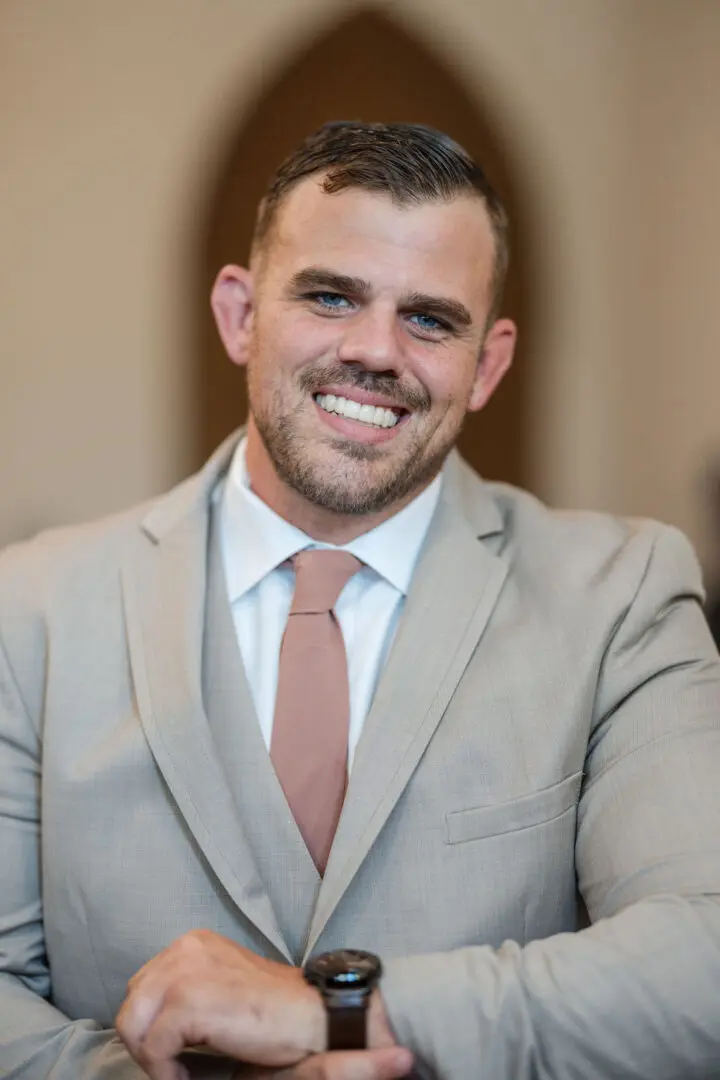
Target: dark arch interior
{"x":365,"y":67}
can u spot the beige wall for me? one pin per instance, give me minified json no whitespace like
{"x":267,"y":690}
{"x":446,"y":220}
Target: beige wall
{"x":666,"y":397}
{"x":112,"y":117}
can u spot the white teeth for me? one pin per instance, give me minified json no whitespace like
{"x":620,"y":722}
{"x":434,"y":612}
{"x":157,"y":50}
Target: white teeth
{"x":373,"y":415}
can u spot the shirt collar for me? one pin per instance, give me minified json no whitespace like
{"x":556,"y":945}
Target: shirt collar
{"x":256,"y":539}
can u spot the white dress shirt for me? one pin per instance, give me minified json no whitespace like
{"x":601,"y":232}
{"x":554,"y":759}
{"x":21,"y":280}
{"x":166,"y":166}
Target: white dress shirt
{"x":256,"y":542}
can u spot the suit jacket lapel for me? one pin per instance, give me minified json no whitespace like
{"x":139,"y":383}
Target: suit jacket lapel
{"x":454,"y":590}
{"x":164,"y":586}
{"x":281,"y":857}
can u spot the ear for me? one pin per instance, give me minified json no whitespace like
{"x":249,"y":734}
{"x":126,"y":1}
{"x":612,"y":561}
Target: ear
{"x":231,"y":300}
{"x":495,"y":359}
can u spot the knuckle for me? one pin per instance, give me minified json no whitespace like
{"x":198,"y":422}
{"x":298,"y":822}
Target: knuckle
{"x":180,"y":994}
{"x":187,"y":993}
{"x":189,"y":942}
{"x":192,"y":946}
{"x":199,"y":936}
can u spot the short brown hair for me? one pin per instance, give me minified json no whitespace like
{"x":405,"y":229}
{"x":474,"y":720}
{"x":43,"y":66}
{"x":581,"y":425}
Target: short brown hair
{"x":409,"y":162}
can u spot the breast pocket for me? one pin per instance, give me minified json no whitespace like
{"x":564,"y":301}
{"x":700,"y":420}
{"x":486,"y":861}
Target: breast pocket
{"x":539,"y":808}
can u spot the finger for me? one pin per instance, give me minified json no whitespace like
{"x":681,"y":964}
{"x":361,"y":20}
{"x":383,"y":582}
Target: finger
{"x":162,"y":1044}
{"x":136,"y":1016}
{"x":387,"y":1064}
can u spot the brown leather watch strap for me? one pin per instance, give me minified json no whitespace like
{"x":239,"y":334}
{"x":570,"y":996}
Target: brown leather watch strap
{"x":347,"y":1028}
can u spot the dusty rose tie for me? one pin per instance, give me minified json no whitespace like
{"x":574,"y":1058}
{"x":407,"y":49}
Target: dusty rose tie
{"x":312,"y":709}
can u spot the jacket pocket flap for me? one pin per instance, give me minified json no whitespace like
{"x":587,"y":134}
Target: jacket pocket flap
{"x":535,"y":809}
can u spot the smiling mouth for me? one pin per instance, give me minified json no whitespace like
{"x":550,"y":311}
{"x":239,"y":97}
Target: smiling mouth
{"x":372,"y":415}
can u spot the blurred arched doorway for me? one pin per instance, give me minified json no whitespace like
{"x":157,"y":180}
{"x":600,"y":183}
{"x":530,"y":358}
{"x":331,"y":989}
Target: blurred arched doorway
{"x":365,"y":67}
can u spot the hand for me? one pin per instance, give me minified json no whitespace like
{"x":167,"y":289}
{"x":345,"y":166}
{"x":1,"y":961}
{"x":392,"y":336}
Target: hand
{"x":388,"y":1064}
{"x":204,"y":990}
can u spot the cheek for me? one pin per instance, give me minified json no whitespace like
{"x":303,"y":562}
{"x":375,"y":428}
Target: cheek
{"x":292,"y":339}
{"x":449,"y":378}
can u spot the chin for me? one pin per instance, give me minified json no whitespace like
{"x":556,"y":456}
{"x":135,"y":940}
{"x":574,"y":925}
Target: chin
{"x":348,"y":493}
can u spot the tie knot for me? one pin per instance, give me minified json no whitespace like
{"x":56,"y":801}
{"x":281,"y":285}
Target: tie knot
{"x":320,"y":577}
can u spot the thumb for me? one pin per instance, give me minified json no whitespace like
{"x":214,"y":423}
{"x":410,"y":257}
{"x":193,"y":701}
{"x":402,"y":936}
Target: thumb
{"x":390,"y":1063}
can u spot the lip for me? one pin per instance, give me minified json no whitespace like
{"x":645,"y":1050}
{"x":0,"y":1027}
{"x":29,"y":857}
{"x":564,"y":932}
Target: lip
{"x":357,"y":431}
{"x":362,"y":397}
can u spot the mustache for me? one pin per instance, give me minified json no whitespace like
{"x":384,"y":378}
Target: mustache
{"x":412,"y":398}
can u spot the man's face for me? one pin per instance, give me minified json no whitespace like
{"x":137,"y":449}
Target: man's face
{"x":365,"y":347}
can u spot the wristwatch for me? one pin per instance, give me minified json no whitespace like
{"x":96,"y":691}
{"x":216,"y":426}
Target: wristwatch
{"x":345,"y":978}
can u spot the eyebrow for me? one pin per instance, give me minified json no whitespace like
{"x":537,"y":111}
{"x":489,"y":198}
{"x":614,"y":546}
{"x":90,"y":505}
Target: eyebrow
{"x":444,"y":307}
{"x":315,"y":277}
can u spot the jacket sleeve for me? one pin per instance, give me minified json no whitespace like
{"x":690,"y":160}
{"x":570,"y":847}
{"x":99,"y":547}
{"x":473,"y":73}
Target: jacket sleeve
{"x":37,"y":1041}
{"x":637,"y":993}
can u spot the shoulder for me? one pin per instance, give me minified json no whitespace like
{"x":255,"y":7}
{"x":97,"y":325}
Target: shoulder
{"x":65,"y":557}
{"x":574,"y":551}
{"x":81,"y":558}
{"x":584,"y":548}
{"x":51,"y":581}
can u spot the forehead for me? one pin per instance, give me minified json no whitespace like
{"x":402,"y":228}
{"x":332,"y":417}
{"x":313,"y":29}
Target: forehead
{"x":428,"y":245}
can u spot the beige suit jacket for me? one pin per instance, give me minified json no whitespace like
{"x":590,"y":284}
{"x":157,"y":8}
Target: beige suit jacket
{"x":545,"y":739}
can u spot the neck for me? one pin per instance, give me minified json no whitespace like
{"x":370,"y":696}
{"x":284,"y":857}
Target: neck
{"x":316,"y":521}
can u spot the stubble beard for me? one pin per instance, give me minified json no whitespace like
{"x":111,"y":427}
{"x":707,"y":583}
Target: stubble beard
{"x":345,"y":482}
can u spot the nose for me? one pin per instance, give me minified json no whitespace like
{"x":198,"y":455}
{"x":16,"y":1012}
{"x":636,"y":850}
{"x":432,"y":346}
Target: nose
{"x":370,"y":338}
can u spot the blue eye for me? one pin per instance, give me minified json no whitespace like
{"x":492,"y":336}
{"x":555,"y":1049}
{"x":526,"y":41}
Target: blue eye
{"x":330,"y":299}
{"x":428,"y":322}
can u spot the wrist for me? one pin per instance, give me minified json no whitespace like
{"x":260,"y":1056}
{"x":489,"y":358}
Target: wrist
{"x":345,"y":980}
{"x":380,"y":1034}
{"x":315,"y":1022}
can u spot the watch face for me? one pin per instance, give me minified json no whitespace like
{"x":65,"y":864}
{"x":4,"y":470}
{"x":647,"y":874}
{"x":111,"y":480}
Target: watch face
{"x":346,"y":969}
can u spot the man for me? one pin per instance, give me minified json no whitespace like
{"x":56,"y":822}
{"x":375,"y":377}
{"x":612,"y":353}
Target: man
{"x":527,"y":704}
